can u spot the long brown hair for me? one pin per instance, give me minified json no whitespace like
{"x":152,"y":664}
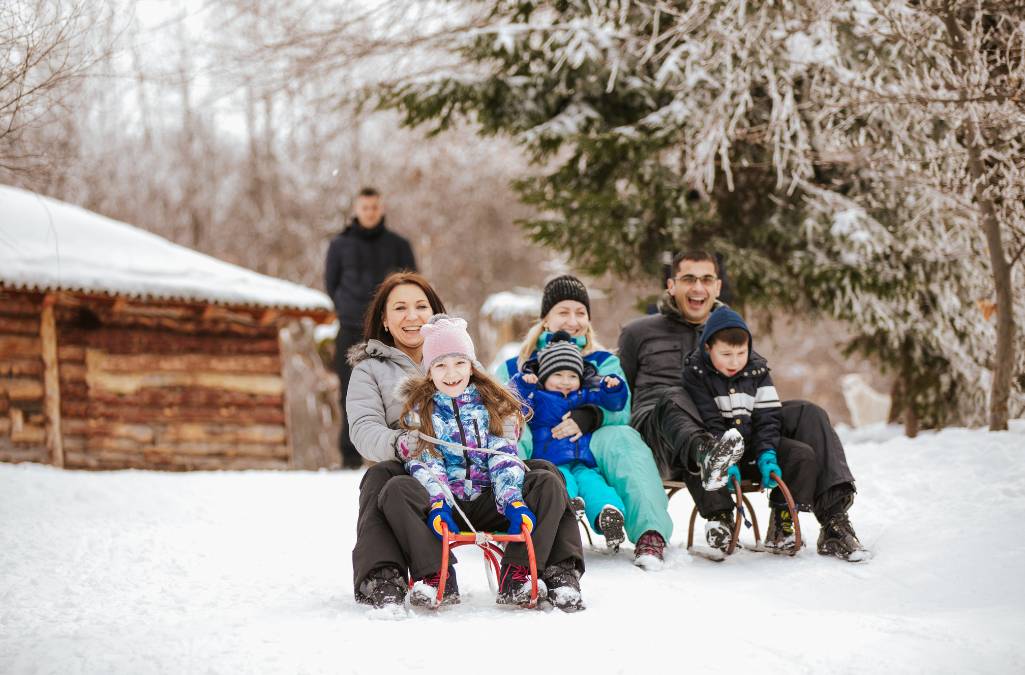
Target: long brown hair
{"x":502,"y":404}
{"x":373,"y":320}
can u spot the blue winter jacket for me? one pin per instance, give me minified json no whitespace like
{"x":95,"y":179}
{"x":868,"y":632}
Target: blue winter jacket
{"x":549,"y":408}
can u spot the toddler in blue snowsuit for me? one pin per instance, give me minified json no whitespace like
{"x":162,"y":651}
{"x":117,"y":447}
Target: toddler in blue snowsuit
{"x":558,"y":385}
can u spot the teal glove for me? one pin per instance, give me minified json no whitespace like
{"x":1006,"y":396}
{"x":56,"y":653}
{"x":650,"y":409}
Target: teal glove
{"x":519,"y":517}
{"x":731,"y":473}
{"x":440,"y":513}
{"x":768,"y":465}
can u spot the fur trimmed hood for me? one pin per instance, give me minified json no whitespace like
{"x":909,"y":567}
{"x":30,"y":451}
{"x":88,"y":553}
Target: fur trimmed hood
{"x":374,"y":349}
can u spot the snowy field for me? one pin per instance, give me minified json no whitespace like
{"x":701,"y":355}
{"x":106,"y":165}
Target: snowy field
{"x":136,"y":572}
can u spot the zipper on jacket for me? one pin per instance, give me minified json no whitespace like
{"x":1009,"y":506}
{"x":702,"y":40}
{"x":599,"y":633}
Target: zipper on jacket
{"x":462,"y":437}
{"x":476,"y":430}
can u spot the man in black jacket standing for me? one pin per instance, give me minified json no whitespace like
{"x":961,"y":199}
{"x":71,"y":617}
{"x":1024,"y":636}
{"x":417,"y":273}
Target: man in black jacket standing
{"x":652,"y":350}
{"x":358,"y":260}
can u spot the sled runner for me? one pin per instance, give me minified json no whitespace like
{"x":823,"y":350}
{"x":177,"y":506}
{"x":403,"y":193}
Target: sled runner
{"x":743,"y":508}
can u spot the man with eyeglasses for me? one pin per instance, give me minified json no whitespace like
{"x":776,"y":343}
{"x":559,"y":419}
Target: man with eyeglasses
{"x":652,"y":350}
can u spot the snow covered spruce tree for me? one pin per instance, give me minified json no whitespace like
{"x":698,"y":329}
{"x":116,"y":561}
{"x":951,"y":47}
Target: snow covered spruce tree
{"x":862,"y":159}
{"x":923,"y":104}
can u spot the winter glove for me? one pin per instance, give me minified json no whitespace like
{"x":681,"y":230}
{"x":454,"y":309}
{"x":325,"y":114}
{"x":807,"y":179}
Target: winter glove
{"x":731,"y":473}
{"x":519,"y":517}
{"x":407,"y":445}
{"x":767,"y":465}
{"x":587,"y":417}
{"x":440,"y":513}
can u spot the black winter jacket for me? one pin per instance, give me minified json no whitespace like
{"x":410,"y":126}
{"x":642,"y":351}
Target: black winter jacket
{"x":747,"y":401}
{"x":358,"y":260}
{"x":652,"y":350}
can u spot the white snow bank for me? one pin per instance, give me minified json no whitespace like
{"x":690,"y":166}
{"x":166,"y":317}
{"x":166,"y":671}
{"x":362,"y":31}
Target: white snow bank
{"x":46,"y":244}
{"x":136,"y":572}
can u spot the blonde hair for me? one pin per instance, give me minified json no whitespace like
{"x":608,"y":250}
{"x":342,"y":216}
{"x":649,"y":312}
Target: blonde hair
{"x":529,"y":345}
{"x":502,"y":404}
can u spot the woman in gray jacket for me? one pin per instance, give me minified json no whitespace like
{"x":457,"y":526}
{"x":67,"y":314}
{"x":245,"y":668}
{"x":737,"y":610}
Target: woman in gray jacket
{"x":393,"y":351}
{"x":373,"y":405}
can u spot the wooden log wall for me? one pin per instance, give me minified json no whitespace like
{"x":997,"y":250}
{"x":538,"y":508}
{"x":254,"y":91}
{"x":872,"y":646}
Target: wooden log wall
{"x":22,"y":372}
{"x":139,"y":391}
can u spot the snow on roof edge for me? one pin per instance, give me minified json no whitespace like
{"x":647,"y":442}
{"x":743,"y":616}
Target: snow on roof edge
{"x":49,"y":245}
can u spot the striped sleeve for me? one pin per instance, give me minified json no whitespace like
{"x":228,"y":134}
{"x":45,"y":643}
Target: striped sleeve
{"x":767,"y":416}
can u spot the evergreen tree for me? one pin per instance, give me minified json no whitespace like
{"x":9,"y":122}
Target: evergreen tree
{"x":861,"y":159}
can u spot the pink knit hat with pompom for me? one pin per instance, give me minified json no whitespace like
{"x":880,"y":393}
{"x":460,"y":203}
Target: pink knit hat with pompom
{"x":443,"y":336}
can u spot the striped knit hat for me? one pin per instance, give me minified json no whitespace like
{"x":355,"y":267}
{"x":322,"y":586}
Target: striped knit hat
{"x":560,"y":354}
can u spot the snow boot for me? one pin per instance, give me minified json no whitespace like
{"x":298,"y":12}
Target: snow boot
{"x":719,"y":530}
{"x":514,"y":586}
{"x":715,"y":457}
{"x":837,"y":538}
{"x":610,"y":524}
{"x":383,"y":587}
{"x":563,"y":583}
{"x":425,"y":591}
{"x":780,"y":536}
{"x":649,"y":551}
{"x":577,"y":506}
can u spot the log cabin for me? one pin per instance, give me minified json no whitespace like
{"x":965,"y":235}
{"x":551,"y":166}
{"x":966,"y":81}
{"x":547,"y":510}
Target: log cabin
{"x":120,"y":349}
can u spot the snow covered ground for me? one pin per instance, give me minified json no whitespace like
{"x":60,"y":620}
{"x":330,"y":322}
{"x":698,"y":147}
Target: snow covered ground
{"x":136,"y":572}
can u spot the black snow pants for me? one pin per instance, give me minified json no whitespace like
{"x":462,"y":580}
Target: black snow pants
{"x":671,"y":432}
{"x":392,"y":528}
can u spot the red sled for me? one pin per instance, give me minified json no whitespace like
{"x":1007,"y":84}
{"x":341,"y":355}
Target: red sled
{"x":488,"y":542}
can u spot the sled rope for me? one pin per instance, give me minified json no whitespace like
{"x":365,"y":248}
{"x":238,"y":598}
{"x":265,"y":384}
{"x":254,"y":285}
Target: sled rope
{"x":463,"y":449}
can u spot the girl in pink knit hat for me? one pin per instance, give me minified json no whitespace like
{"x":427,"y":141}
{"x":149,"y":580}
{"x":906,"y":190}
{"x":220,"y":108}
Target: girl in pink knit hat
{"x":457,"y":402}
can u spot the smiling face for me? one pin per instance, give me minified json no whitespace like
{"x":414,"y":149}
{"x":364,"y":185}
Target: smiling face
{"x":451,"y":374}
{"x":568,"y":315}
{"x":728,"y":359}
{"x":563,"y":381}
{"x":406,"y":309}
{"x":695,"y":288}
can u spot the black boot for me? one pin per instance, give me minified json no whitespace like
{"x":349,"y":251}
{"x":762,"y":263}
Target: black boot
{"x":837,"y":535}
{"x":610,"y":524}
{"x":514,"y":586}
{"x":382,"y":587}
{"x":719,"y":530}
{"x":780,"y":536}
{"x":425,"y":591}
{"x":563,"y":582}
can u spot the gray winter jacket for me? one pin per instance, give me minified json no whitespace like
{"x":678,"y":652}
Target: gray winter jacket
{"x":373,"y":405}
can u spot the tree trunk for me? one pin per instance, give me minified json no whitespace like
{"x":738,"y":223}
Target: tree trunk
{"x":1004,"y":357}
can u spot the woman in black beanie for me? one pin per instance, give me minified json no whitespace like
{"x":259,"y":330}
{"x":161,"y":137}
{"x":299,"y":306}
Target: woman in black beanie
{"x":623,"y":457}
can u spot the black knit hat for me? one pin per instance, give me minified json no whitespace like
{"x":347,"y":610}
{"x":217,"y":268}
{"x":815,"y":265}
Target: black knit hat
{"x":566,"y":287}
{"x":560,"y":354}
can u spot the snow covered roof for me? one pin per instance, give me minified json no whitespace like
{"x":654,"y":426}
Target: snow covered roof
{"x":48,"y":245}
{"x":507,"y":304}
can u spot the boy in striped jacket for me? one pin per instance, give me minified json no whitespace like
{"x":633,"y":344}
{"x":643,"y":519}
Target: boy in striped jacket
{"x":731,"y":386}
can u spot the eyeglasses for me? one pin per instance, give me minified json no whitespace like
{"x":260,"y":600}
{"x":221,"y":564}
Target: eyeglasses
{"x":690,"y":279}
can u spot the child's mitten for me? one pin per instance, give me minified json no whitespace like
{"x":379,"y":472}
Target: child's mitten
{"x":440,"y":513}
{"x":519,"y":517}
{"x":768,"y":465}
{"x":731,"y":473}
